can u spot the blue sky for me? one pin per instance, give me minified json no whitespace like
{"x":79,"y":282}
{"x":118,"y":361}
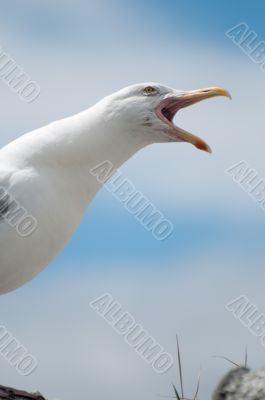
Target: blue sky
{"x":90,"y":48}
{"x":190,"y":19}
{"x":78,"y":52}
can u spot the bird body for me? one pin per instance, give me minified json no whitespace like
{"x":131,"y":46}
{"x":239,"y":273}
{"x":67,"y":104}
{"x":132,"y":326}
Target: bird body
{"x":241,"y":383}
{"x":46,"y":171}
{"x":54,"y":184}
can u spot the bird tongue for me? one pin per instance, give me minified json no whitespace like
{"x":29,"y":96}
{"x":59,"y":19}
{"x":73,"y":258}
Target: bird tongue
{"x":170,"y":106}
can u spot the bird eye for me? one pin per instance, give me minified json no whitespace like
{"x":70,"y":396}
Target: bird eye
{"x":149,"y":90}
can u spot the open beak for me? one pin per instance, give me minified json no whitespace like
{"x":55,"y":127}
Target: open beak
{"x":168,"y":108}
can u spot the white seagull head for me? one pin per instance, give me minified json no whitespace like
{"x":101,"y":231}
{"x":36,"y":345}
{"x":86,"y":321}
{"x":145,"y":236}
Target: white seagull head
{"x":47,"y":170}
{"x":149,"y":109}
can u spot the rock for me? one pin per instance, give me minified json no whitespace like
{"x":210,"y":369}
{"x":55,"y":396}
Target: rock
{"x":7,"y":393}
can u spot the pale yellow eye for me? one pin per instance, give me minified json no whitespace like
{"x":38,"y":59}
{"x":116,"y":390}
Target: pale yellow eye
{"x":149,"y":90}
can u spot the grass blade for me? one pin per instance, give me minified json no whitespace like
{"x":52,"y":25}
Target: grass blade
{"x":180,"y":369}
{"x":176,"y":392}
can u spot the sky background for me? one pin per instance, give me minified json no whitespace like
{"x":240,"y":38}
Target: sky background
{"x":78,"y":52}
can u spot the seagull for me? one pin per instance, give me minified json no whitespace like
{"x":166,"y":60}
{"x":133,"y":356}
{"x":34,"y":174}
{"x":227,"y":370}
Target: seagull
{"x":45,"y":179}
{"x":241,"y":383}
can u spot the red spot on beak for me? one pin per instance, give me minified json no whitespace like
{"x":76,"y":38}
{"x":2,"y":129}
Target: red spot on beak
{"x":201,"y":145}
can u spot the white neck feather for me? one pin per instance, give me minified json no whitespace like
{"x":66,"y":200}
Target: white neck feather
{"x":85,"y":139}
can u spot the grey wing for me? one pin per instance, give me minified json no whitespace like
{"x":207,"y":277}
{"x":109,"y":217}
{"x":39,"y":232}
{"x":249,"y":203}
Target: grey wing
{"x":4,"y":203}
{"x":5,"y":197}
